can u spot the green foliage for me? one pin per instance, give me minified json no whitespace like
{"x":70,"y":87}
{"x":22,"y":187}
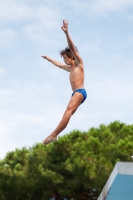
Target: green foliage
{"x":76,"y":166}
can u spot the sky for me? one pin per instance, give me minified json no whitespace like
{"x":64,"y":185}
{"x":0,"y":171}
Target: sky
{"x":34,"y":93}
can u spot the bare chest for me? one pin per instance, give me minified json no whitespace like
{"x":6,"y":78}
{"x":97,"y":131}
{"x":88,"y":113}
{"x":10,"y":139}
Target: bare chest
{"x":76,"y":73}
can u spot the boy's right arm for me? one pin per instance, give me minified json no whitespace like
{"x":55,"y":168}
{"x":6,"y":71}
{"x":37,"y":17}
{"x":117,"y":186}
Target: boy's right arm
{"x":58,"y":64}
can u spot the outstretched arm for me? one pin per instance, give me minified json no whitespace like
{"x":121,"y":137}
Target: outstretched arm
{"x":70,"y":42}
{"x":58,"y":64}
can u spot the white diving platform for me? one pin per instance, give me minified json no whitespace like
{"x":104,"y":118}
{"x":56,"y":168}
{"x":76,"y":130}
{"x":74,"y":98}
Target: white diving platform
{"x":120,"y":183}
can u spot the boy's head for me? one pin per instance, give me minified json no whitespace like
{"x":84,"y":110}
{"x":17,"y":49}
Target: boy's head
{"x":67,"y":55}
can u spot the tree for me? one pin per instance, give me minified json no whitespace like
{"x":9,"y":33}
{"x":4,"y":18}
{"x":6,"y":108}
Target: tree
{"x":76,"y":166}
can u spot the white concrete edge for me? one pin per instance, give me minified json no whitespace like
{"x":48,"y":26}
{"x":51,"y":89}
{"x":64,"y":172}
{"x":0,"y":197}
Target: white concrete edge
{"x":120,"y":168}
{"x":108,"y":184}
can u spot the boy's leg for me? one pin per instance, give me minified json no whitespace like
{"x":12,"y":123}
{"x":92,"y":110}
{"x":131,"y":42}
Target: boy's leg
{"x":74,"y":103}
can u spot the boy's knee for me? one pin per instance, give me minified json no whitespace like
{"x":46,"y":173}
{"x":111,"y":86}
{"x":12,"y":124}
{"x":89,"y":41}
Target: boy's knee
{"x":68,"y":113}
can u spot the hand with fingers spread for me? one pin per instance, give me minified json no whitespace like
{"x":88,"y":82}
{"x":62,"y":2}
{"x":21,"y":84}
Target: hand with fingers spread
{"x":65,"y":26}
{"x":46,"y":57}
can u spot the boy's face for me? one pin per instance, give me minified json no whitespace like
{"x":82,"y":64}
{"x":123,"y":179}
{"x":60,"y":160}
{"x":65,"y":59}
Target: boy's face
{"x":67,"y":60}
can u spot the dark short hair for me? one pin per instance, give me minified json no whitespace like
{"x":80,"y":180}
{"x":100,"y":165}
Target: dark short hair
{"x":68,"y":52}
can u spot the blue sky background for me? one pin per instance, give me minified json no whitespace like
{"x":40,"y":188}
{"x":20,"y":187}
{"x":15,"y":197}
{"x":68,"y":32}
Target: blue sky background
{"x":34,"y":93}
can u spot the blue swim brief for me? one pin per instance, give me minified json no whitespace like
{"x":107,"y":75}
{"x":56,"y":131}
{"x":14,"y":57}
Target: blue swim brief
{"x":83,"y":92}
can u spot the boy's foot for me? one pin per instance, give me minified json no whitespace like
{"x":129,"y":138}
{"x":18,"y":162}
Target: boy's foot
{"x":49,"y":139}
